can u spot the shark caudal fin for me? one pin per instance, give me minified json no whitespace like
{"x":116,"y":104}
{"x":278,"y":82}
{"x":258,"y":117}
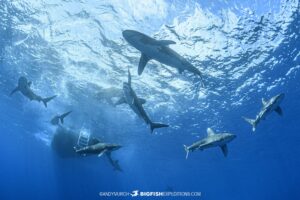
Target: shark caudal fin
{"x":157,"y":125}
{"x":142,"y":64}
{"x":63,"y":116}
{"x":46,"y":100}
{"x":187,"y":151}
{"x":252,"y":122}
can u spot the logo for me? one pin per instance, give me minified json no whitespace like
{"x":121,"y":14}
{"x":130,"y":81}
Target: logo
{"x":138,"y":193}
{"x":134,"y":193}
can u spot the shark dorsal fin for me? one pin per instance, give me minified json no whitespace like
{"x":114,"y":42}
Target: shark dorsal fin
{"x":263,"y":101}
{"x":142,"y":64}
{"x":97,"y":140}
{"x":210,"y":132}
{"x":142,"y":101}
{"x":94,"y":141}
{"x":165,"y":42}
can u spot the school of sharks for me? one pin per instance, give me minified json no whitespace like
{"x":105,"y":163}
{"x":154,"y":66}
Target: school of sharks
{"x":160,"y":51}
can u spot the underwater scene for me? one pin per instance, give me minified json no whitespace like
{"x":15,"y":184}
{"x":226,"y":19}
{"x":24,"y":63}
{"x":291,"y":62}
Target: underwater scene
{"x":150,"y":99}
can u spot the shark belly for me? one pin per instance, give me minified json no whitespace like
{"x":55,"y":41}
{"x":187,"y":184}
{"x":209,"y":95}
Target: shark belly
{"x":207,"y":146}
{"x":163,"y":55}
{"x":139,"y":110}
{"x":212,"y":143}
{"x":134,"y":104}
{"x":94,"y":149}
{"x":28,"y":93}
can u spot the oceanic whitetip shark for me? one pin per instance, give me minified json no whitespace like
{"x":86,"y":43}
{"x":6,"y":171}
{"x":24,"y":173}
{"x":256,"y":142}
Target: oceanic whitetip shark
{"x":212,"y":140}
{"x":267,"y":108}
{"x":98,"y":148}
{"x":136,"y":104}
{"x":24,"y":88}
{"x":158,"y":50}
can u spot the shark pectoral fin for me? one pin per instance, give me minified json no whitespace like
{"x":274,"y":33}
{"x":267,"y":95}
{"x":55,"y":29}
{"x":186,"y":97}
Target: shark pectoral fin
{"x":224,"y":149}
{"x":29,"y":83}
{"x":15,"y":90}
{"x":94,"y":141}
{"x":142,"y":101}
{"x":100,"y":154}
{"x":279,"y":111}
{"x":263,"y":101}
{"x":186,"y":151}
{"x":165,"y":42}
{"x":142,"y":64}
{"x":210,"y":132}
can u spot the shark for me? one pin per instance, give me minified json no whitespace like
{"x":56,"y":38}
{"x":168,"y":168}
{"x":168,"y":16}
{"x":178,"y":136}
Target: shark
{"x":55,"y":120}
{"x":24,"y":88}
{"x":158,"y":50}
{"x":98,"y":148}
{"x":212,"y":140}
{"x":267,"y":108}
{"x":136,"y":104}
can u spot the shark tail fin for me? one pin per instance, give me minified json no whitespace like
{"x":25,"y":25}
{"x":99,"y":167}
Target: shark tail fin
{"x":15,"y":90}
{"x":46,"y":100}
{"x":63,"y":116}
{"x":187,"y":151}
{"x":157,"y":125}
{"x":252,"y":122}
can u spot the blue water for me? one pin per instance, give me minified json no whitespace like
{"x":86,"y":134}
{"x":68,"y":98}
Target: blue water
{"x":247,"y":50}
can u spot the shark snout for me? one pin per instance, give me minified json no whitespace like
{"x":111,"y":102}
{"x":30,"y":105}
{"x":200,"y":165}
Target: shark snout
{"x":232,"y":137}
{"x":128,"y":34}
{"x":22,"y":81}
{"x":116,"y":147}
{"x":281,"y":96}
